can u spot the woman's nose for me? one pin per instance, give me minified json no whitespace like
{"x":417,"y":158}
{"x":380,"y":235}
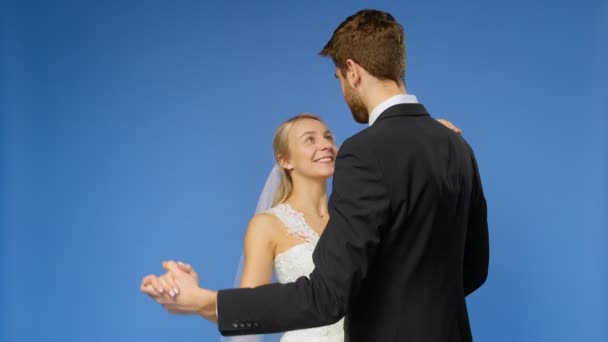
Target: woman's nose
{"x":325,"y":145}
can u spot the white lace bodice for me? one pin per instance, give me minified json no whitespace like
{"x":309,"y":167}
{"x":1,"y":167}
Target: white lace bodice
{"x":297,"y":262}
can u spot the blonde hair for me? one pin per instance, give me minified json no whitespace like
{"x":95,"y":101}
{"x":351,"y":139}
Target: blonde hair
{"x":280,"y":147}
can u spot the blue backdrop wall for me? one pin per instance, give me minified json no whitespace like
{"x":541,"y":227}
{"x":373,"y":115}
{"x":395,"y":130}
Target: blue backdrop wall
{"x":133,"y":132}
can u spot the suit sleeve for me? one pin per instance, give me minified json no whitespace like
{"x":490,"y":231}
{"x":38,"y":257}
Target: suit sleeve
{"x":476,"y":254}
{"x":359,"y":208}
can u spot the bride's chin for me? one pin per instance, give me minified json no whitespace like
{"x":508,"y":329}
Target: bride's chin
{"x":323,"y":176}
{"x":326,"y":175}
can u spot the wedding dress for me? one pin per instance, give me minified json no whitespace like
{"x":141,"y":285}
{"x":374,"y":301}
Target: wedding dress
{"x":296,"y":262}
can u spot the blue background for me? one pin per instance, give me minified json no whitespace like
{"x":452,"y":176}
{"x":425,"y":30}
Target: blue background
{"x":133,"y":132}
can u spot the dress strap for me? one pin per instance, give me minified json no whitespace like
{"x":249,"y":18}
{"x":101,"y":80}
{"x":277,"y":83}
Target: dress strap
{"x":294,"y":221}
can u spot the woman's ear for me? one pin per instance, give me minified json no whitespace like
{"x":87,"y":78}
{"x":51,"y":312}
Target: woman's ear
{"x":285,"y":163}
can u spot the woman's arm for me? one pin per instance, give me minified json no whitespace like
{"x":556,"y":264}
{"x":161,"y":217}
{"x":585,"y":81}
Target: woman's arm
{"x":259,"y":251}
{"x":259,"y":259}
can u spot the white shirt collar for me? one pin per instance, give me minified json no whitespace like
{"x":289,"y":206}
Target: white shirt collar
{"x":391,"y":101}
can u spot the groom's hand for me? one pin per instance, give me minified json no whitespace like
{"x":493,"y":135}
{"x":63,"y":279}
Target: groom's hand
{"x":166,"y":283}
{"x":190,"y":299}
{"x":186,"y":268}
{"x":157,"y":286}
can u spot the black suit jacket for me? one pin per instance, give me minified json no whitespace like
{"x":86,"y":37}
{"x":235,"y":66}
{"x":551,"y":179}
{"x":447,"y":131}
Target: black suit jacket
{"x":406,"y":242}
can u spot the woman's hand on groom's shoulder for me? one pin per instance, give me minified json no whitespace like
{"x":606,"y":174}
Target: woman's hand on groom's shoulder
{"x":450,"y":125}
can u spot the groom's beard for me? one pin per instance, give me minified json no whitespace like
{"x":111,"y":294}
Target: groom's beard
{"x":357,"y":108}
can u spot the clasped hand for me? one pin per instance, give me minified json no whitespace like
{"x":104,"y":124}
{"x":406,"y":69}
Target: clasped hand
{"x":178,"y":291}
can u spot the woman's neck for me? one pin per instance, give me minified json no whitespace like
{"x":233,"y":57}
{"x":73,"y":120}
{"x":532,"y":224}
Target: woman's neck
{"x":309,"y":196}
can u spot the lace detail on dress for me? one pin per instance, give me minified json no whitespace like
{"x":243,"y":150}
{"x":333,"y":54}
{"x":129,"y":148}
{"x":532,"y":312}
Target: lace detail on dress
{"x":297,"y":262}
{"x":294,"y":221}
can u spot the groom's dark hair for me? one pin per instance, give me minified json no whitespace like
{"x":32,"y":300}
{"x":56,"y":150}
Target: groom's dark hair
{"x":374,"y":40}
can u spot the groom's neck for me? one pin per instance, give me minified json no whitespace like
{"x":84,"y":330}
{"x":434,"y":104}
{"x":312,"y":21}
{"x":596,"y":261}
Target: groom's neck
{"x":379,"y":91}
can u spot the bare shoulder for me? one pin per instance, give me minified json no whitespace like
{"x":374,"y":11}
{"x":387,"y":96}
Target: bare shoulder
{"x":264,"y":226}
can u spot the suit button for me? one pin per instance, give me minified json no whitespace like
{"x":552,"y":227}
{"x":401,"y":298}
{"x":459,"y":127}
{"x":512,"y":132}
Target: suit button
{"x":256,"y":324}
{"x":242,"y":325}
{"x":248,"y":324}
{"x":235,"y":325}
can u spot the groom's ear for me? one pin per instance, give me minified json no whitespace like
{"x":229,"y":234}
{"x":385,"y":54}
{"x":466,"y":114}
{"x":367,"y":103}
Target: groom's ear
{"x":353,"y":73}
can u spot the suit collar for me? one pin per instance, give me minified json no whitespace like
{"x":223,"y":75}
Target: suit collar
{"x":404,"y":109}
{"x":391,"y":101}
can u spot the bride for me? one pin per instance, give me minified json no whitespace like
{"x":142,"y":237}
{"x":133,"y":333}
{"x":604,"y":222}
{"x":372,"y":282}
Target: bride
{"x":291,"y":215}
{"x":284,"y":236}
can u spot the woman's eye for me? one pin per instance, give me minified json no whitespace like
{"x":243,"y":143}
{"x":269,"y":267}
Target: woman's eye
{"x":330,"y":138}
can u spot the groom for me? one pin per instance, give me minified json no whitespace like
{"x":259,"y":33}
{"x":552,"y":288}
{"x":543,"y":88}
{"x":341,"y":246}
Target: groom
{"x":407,"y":240}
